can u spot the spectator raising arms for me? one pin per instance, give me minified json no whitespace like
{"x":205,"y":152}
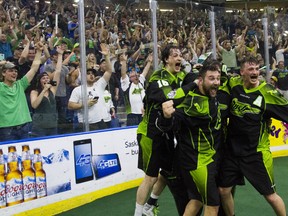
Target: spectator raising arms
{"x":44,"y":103}
{"x":98,"y":117}
{"x":134,"y":91}
{"x":14,"y":113}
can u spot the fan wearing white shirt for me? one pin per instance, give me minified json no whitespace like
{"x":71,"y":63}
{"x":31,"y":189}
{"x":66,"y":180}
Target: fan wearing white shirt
{"x":134,"y":91}
{"x":98,"y":117}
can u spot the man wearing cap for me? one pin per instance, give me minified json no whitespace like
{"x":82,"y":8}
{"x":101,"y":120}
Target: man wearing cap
{"x":228,"y":53}
{"x":16,"y":55}
{"x":98,"y":117}
{"x":14,"y":112}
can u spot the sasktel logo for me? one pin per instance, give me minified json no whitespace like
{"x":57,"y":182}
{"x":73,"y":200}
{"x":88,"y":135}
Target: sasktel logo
{"x":83,"y":159}
{"x":104,"y":164}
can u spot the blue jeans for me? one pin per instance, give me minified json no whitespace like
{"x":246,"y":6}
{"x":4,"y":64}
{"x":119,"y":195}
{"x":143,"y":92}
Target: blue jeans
{"x":41,"y":132}
{"x":14,"y":133}
{"x":133,"y":119}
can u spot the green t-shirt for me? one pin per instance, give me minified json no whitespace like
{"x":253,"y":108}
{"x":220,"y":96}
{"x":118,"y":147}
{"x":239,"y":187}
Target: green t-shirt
{"x":13,"y":103}
{"x":229,"y":58}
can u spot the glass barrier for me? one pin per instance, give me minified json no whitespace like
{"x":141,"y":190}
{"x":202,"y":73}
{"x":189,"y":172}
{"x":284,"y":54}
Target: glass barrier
{"x":120,"y":43}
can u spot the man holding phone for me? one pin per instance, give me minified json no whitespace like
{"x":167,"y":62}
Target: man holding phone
{"x":98,"y":117}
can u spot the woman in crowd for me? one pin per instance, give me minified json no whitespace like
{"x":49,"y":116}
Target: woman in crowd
{"x":91,"y":62}
{"x":44,"y":120}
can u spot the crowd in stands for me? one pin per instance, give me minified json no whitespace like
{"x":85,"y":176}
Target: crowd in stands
{"x":118,"y":42}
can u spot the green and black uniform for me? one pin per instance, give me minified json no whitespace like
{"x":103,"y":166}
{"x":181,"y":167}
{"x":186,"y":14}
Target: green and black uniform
{"x":198,"y":122}
{"x":155,"y":149}
{"x":248,"y":147}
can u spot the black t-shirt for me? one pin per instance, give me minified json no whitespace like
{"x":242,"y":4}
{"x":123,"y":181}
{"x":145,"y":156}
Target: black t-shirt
{"x":282,"y":76}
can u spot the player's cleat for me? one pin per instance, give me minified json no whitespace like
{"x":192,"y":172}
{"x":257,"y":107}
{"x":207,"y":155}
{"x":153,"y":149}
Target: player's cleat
{"x":150,"y":210}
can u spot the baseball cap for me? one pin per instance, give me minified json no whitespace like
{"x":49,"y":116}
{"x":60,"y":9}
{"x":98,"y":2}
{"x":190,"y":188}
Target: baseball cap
{"x":67,"y":52}
{"x":91,"y":70}
{"x":53,"y":52}
{"x":19,"y":47}
{"x":9,"y":65}
{"x":102,"y":60}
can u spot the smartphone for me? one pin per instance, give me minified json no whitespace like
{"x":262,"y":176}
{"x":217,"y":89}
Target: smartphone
{"x":82,"y":160}
{"x":105,"y":165}
{"x":2,"y":57}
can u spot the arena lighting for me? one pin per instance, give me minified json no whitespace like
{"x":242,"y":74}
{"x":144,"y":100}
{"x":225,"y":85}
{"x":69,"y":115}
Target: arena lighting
{"x":145,"y":9}
{"x":165,"y":10}
{"x":229,"y":11}
{"x":47,"y":2}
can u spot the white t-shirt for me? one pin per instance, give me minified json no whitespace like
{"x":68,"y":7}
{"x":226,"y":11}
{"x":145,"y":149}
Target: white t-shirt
{"x":97,"y":112}
{"x":108,"y":103}
{"x":136,"y":93}
{"x":279,"y":55}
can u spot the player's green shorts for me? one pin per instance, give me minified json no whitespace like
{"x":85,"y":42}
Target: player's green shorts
{"x":155,"y":154}
{"x":201,"y":184}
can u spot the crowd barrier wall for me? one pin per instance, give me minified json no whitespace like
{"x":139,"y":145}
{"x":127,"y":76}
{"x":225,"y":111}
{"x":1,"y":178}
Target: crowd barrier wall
{"x":114,"y":167}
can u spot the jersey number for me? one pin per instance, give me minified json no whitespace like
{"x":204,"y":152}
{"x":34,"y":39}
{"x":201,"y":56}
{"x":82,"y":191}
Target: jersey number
{"x":162,"y":83}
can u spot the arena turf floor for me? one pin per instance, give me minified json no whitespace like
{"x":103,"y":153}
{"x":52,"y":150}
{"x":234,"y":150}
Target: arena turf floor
{"x":247,"y":200}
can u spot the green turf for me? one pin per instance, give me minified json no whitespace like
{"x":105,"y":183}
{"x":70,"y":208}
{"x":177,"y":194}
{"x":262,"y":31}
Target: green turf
{"x":247,"y":200}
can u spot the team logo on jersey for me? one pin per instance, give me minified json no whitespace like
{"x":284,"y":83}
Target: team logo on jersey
{"x":171,"y":94}
{"x":197,"y":107}
{"x":258,"y":101}
{"x":273,"y":92}
{"x":240,"y":109}
{"x":223,"y":106}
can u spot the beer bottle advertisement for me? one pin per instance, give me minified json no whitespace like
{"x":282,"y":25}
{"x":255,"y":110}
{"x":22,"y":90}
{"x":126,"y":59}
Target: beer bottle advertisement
{"x":14,"y":180}
{"x":28,"y":173}
{"x":40,"y":174}
{"x":54,"y":163}
{"x":2,"y":181}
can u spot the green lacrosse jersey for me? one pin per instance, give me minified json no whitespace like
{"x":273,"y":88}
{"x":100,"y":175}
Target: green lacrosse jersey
{"x":162,"y":86}
{"x":250,"y":114}
{"x":198,"y":121}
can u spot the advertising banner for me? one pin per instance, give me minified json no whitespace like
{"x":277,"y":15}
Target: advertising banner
{"x":39,"y":172}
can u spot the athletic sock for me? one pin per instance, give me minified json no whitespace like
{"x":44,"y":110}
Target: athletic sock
{"x":138,"y":210}
{"x":153,"y":199}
